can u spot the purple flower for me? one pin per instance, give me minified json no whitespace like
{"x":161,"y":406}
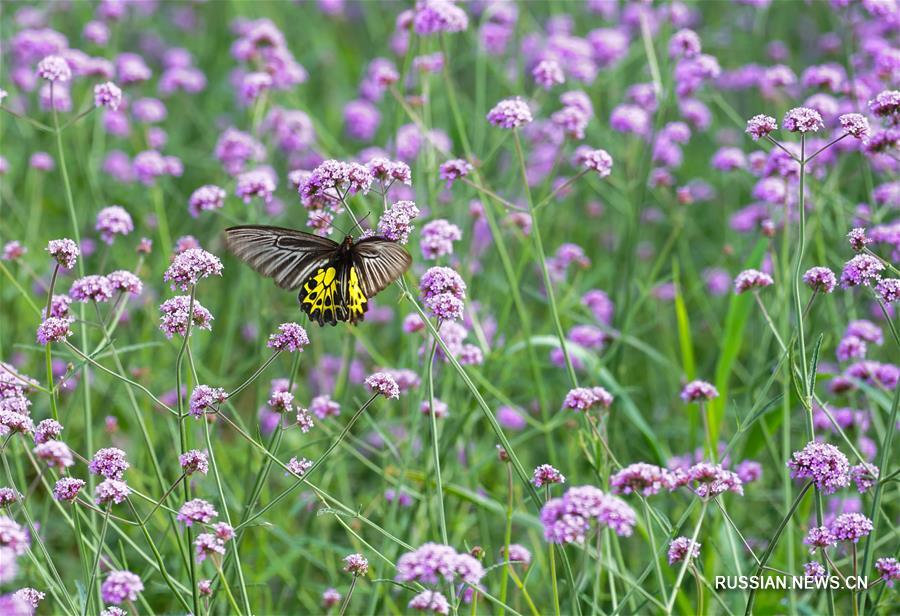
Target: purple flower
{"x":13,"y":422}
{"x":751,"y":279}
{"x":748,"y":470}
{"x":281,"y":401}
{"x":432,"y":561}
{"x":323,"y":406}
{"x":586,"y":398}
{"x":47,"y":429}
{"x":568,"y":519}
{"x":888,"y":569}
{"x":597,"y":160}
{"x":819,"y":538}
{"x":681,"y":548}
{"x":813,"y":570}
{"x":823,"y":464}
{"x":112,"y":221}
{"x":389,"y":171}
{"x":435,"y":16}
{"x":864,"y":476}
{"x":548,"y":73}
{"x":546,"y":475}
{"x":206,"y":198}
{"x":802,"y":120}
{"x":384,"y":384}
{"x":41,"y":161}
{"x":886,"y":103}
{"x":13,"y":250}
{"x":174,"y":319}
{"x":330,"y":598}
{"x":357,"y":564}
{"x":855,"y":124}
{"x":760,"y":126}
{"x":256,"y":183}
{"x":65,"y":251}
{"x":851,"y":347}
{"x":55,"y":453}
{"x":131,"y":68}
{"x":395,"y":223}
{"x":91,"y":288}
{"x":109,"y":462}
{"x":290,"y":337}
{"x":299,"y":467}
{"x":67,"y":488}
{"x":863,"y":269}
{"x":107,"y":95}
{"x":888,"y":289}
{"x":454,"y":169}
{"x":684,"y":44}
{"x":641,"y":478}
{"x":430,"y":601}
{"x":443,"y":291}
{"x":437,"y":238}
{"x":197,"y":510}
{"x":8,"y":496}
{"x":54,"y":329}
{"x":204,"y":398}
{"x":121,"y":586}
{"x":194,"y":461}
{"x":820,"y":279}
{"x":54,"y":69}
{"x":334,"y":179}
{"x":851,"y":527}
{"x":208,"y":545}
{"x":440,"y":408}
{"x":12,"y":536}
{"x":235,"y":149}
{"x":361,"y":120}
{"x":699,"y":391}
{"x":510,"y":418}
{"x":510,"y":113}
{"x":857,"y":238}
{"x":111,"y":491}
{"x":125,"y":282}
{"x":190,"y":266}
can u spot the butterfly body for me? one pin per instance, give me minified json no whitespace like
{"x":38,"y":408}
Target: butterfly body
{"x":335,"y":280}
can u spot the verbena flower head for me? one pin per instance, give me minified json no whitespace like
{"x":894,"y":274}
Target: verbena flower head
{"x":586,"y":398}
{"x":91,"y":288}
{"x":323,"y":406}
{"x":12,"y":422}
{"x":760,"y":126}
{"x":432,"y":562}
{"x":121,"y":586}
{"x":548,"y":73}
{"x":13,"y":536}
{"x":707,"y":480}
{"x":748,"y":470}
{"x":208,"y":545}
{"x":641,"y":478}
{"x":857,"y":238}
{"x":819,"y":537}
{"x":112,"y":221}
{"x":191,"y":266}
{"x":8,"y":496}
{"x":194,"y":461}
{"x":443,"y":291}
{"x":864,"y":476}
{"x":206,"y":198}
{"x":699,"y":390}
{"x":886,"y":103}
{"x":430,"y":601}
{"x":823,"y":464}
{"x":55,"y":454}
{"x":395,"y":223}
{"x":751,"y":279}
{"x":204,"y":399}
{"x":863,"y":269}
{"x":436,"y":16}
{"x":54,"y":69}
{"x":334,"y":179}
{"x":54,"y":329}
{"x":682,"y":548}
{"x":437,"y":238}
{"x":111,"y":491}
{"x":65,"y":251}
{"x":684,"y":44}
{"x":888,"y":289}
{"x":107,"y":95}
{"x":510,"y":113}
{"x":256,"y":183}
{"x":174,"y":316}
{"x":820,"y":279}
{"x":855,"y":124}
{"x":382,"y":383}
{"x":546,"y":475}
{"x":389,"y":171}
{"x":851,"y":527}
{"x":125,"y":282}
{"x":598,"y":161}
{"x":813,"y":570}
{"x":330,"y":598}
{"x":109,"y":462}
{"x":568,"y":519}
{"x":197,"y":510}
{"x":888,"y":569}
{"x":357,"y":564}
{"x":454,"y":169}
{"x":299,"y":467}
{"x":802,"y":120}
{"x":291,"y":337}
{"x":13,"y":250}
{"x":440,"y":408}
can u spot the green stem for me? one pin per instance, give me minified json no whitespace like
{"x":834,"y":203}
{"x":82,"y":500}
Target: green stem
{"x":554,"y":586}
{"x":100,"y":541}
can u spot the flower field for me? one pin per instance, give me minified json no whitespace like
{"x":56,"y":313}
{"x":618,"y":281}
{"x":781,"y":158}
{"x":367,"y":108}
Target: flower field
{"x":488,"y":307}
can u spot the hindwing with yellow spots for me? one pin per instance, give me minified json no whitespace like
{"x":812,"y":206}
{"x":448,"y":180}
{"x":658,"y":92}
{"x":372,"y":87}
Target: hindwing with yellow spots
{"x":333,"y":294}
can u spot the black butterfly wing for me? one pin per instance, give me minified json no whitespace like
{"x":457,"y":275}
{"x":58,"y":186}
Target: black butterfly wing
{"x":288,"y":256}
{"x":378,"y":262}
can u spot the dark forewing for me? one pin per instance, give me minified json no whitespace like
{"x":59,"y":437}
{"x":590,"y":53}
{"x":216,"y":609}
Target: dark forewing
{"x":285,"y":255}
{"x":379,"y":262}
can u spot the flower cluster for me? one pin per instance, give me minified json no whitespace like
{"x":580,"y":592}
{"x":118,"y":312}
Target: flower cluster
{"x":568,"y":519}
{"x":443,"y":292}
{"x":433,"y":562}
{"x":823,"y":464}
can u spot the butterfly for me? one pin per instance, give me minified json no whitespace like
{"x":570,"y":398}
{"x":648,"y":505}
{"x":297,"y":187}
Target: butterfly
{"x":335,"y":280}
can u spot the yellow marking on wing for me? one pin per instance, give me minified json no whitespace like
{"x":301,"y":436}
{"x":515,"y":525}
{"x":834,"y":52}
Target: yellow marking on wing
{"x":356,"y":298}
{"x":320,"y":292}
